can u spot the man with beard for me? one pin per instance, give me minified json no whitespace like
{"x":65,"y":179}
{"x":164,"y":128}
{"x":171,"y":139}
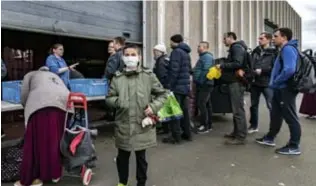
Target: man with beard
{"x":179,"y":83}
{"x":232,"y":73}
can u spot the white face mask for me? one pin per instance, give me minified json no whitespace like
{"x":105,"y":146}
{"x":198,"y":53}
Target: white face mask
{"x":131,"y":61}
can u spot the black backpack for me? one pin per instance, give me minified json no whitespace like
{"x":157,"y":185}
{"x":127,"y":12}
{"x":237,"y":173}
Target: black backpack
{"x":304,"y":78}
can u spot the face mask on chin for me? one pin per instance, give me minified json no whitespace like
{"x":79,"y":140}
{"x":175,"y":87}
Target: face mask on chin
{"x":131,"y":62}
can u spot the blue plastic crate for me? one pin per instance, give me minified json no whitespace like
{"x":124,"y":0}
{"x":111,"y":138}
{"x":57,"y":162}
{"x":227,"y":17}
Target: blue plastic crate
{"x":89,"y":87}
{"x":11,"y":91}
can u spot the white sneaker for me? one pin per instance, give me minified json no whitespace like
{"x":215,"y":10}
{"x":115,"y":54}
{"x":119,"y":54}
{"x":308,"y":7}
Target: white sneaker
{"x":56,"y":180}
{"x":252,"y":130}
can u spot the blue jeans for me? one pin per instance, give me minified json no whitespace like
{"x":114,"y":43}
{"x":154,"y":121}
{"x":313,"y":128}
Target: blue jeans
{"x":256,"y":92}
{"x":284,"y":107}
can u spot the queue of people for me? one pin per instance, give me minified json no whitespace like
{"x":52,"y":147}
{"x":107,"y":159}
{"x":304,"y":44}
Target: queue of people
{"x":137,"y":94}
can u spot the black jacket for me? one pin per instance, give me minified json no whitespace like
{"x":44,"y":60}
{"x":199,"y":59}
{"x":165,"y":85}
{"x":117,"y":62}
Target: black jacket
{"x":114,"y":63}
{"x":235,"y":61}
{"x":263,"y":59}
{"x":161,"y":69}
{"x":179,"y":70}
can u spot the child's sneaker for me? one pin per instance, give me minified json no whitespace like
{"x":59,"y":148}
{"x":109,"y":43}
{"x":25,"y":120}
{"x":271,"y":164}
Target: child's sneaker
{"x":287,"y":150}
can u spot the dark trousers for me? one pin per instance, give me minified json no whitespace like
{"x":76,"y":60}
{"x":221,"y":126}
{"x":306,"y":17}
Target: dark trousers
{"x":256,"y":92}
{"x":284,"y":107}
{"x":236,"y":93}
{"x":184,"y":122}
{"x":204,"y":104}
{"x":122,"y":163}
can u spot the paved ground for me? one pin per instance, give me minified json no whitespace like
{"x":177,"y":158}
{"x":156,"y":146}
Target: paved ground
{"x":208,"y":162}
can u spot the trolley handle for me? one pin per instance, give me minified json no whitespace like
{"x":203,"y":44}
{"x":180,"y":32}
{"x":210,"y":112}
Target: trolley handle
{"x":79,"y":98}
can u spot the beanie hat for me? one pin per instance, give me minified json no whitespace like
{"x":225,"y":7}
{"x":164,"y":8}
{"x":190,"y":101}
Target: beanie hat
{"x":161,"y":48}
{"x":177,"y":38}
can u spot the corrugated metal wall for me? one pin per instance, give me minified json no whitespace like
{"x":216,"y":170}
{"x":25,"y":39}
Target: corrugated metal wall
{"x":88,"y":19}
{"x":246,"y":18}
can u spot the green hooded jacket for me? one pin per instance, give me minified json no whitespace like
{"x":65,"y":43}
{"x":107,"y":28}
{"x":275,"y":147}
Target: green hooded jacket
{"x":130,"y":93}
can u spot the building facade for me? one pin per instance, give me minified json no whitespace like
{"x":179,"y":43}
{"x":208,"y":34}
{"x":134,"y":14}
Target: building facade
{"x":152,"y":22}
{"x":208,"y":20}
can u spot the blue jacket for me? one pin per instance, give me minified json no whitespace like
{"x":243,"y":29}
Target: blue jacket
{"x":205,"y":62}
{"x":179,"y":70}
{"x":280,"y":76}
{"x":54,"y":64}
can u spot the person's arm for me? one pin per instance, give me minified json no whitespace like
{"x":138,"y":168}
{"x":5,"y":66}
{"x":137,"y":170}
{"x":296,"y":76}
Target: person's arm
{"x":25,"y":88}
{"x":208,"y":62}
{"x":238,"y":55}
{"x":289,"y":56}
{"x":174,"y":68}
{"x":160,"y":95}
{"x":111,"y":67}
{"x":3,"y":70}
{"x":162,"y":68}
{"x":197,"y":71}
{"x":54,"y":67}
{"x":111,"y":99}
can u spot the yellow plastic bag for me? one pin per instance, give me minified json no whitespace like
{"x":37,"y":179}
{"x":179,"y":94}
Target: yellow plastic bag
{"x":214,"y":73}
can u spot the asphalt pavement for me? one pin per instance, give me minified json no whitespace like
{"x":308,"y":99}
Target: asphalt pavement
{"x":207,"y":161}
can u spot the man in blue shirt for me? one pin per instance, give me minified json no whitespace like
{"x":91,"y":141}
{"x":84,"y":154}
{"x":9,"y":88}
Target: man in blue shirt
{"x":284,"y":97}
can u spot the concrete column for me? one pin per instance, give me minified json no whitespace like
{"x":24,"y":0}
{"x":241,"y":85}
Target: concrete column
{"x":287,"y":15}
{"x":186,"y":22}
{"x":251,"y":25}
{"x":271,"y":10}
{"x":220,"y":52}
{"x":246,"y":20}
{"x":242,"y":22}
{"x":161,"y":21}
{"x":195,"y":27}
{"x":262,"y":15}
{"x":257,"y":16}
{"x":205,"y":20}
{"x":231,"y":15}
{"x":213,"y":25}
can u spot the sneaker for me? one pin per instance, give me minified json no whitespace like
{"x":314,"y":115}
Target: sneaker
{"x":265,"y":141}
{"x":230,"y":136}
{"x":56,"y":180}
{"x":252,"y":130}
{"x":170,"y":140}
{"x":36,"y":182}
{"x":202,"y":130}
{"x":235,"y":141}
{"x":287,"y":150}
{"x":121,"y":184}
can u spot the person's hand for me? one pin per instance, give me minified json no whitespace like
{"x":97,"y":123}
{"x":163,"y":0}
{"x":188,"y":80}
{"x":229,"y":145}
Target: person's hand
{"x":73,"y":65}
{"x":258,"y":71}
{"x":218,"y":66}
{"x":149,"y":111}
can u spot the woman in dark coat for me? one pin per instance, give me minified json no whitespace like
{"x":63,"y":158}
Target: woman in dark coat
{"x":308,"y":105}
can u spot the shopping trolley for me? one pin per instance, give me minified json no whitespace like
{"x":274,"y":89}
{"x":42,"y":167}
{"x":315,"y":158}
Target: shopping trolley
{"x":76,"y":145}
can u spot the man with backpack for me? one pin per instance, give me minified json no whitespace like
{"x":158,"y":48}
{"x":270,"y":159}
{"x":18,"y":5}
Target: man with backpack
{"x":263,"y":58}
{"x":234,"y":72}
{"x":284,"y":94}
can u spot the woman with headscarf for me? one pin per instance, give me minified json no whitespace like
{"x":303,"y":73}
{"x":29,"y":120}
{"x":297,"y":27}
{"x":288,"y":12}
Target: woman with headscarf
{"x":57,"y":64}
{"x":44,"y":98}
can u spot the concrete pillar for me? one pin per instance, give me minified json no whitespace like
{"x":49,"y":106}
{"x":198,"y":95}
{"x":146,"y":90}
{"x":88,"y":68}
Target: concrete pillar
{"x":271,"y":10}
{"x":236,"y":18}
{"x":252,"y":26}
{"x":195,"y":27}
{"x":150,"y":23}
{"x":161,"y":21}
{"x":246,"y":20}
{"x":204,"y":20}
{"x":174,"y":22}
{"x":242,"y":22}
{"x":213,"y":35}
{"x":231,"y":15}
{"x":186,"y":22}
